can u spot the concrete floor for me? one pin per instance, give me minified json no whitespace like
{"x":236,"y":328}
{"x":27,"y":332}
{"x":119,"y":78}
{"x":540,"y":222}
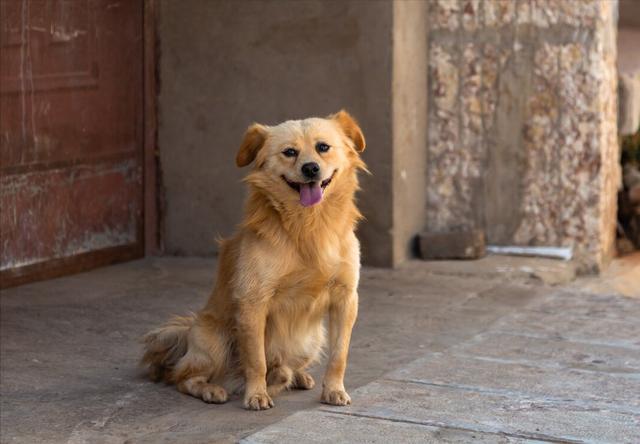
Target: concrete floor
{"x":564,"y":369}
{"x":69,"y":351}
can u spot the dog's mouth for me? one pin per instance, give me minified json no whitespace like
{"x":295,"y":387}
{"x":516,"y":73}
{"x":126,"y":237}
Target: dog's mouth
{"x":310,"y":192}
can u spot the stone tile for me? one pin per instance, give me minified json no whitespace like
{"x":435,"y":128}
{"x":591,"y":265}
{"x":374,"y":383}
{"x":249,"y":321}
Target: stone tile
{"x":530,"y":418}
{"x":586,"y":389}
{"x":599,"y":306}
{"x":324,"y":427}
{"x":505,"y":268}
{"x":552,"y":352}
{"x":515,"y":295}
{"x":603,"y":331}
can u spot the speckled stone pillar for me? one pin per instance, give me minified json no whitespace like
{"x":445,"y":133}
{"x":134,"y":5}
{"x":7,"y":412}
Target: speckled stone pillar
{"x":522,"y":122}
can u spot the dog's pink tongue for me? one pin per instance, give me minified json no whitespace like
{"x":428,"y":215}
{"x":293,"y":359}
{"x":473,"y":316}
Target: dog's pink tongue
{"x":310,"y":193}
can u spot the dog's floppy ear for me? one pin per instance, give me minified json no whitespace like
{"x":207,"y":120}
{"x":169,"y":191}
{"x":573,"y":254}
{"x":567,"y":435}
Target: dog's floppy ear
{"x":254,"y":138}
{"x":351,"y":129}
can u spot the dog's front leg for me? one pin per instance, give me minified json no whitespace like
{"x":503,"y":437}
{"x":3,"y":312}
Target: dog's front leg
{"x":251,"y":319}
{"x":342,"y":315}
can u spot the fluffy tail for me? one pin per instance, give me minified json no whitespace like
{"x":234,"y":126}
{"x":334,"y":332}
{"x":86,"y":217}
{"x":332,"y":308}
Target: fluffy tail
{"x":165,"y":346}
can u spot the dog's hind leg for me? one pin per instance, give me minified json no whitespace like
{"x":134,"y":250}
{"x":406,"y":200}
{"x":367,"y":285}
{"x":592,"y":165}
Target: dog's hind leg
{"x":206,"y":362}
{"x":199,"y":387}
{"x":279,"y":378}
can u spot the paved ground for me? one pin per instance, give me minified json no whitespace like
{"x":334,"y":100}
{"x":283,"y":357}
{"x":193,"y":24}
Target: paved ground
{"x":565,"y":369}
{"x":444,"y":353}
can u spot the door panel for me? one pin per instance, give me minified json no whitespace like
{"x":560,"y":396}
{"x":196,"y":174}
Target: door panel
{"x":71,"y":135}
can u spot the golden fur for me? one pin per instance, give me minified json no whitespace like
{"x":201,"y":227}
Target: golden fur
{"x":278,"y":276}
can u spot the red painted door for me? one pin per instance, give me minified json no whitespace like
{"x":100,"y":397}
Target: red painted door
{"x":71,"y":135}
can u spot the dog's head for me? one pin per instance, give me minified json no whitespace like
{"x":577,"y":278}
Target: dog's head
{"x":300,"y":162}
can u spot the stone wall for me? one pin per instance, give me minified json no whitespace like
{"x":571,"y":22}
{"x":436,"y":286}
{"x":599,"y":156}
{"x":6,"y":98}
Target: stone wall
{"x":522,"y":122}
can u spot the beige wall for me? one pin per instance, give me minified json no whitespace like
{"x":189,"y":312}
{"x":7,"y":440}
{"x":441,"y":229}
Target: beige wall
{"x":409,"y":124}
{"x":224,"y":65}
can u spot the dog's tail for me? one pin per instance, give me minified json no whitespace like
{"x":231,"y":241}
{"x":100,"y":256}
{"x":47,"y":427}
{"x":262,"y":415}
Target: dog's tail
{"x":165,"y":346}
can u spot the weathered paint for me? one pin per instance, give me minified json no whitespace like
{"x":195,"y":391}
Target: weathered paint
{"x":70,"y":128}
{"x":59,"y":213}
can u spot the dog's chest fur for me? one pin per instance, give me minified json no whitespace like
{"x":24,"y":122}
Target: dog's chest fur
{"x":307,"y":284}
{"x":295,"y":331}
{"x":300,"y":302}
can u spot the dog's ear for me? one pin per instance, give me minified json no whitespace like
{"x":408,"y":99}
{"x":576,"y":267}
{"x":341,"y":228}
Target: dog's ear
{"x":351,"y":129}
{"x":254,"y":138}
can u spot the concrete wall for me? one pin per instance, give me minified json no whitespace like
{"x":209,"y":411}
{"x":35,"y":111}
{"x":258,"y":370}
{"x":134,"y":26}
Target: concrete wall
{"x":409,"y":129}
{"x":522,"y":122}
{"x":226,"y":64}
{"x":629,"y":16}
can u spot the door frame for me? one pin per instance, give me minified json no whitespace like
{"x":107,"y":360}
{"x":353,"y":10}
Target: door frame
{"x":151,"y":163}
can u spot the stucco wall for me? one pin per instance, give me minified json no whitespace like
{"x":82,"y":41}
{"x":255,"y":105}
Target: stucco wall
{"x":224,"y":65}
{"x":629,"y":16}
{"x":522,"y":122}
{"x":409,"y":95}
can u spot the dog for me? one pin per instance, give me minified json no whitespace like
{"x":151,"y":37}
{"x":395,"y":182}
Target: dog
{"x":293,"y":260}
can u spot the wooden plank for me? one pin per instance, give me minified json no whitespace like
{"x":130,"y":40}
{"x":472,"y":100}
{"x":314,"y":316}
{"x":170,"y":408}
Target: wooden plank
{"x":60,"y":213}
{"x":68,"y":265}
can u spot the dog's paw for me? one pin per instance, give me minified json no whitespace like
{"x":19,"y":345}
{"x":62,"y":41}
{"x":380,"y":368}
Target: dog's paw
{"x":214,"y":394}
{"x":258,"y":401}
{"x":336,"y":397}
{"x":303,"y":380}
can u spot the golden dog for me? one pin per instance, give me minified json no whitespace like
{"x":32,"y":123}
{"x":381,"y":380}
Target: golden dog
{"x":294,"y":259}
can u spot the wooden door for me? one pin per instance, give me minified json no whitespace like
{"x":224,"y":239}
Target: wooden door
{"x":71,"y":135}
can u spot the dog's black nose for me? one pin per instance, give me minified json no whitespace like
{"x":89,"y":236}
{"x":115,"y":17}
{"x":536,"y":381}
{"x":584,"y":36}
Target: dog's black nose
{"x":310,"y":170}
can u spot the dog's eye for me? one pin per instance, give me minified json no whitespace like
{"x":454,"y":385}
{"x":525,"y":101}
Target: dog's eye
{"x":290,"y":152}
{"x":322,"y":147}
